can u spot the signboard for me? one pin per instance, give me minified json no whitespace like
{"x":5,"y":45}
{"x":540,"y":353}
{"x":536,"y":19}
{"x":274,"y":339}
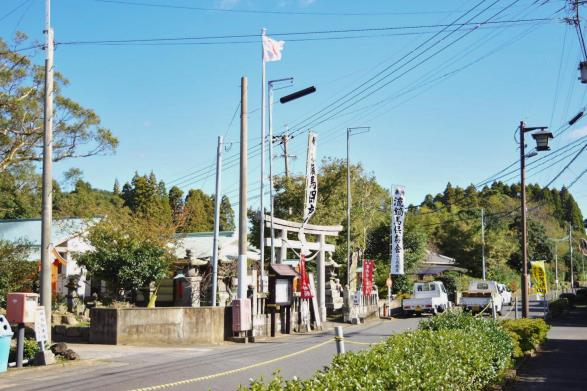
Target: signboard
{"x":305,"y":290}
{"x":538,"y":272}
{"x":397,"y":230}
{"x":41,"y":325}
{"x":311,"y":196}
{"x":368,"y":266}
{"x":282,"y":295}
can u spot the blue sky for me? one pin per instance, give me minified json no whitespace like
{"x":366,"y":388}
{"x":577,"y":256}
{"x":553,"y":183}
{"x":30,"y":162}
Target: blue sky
{"x":167,"y":104}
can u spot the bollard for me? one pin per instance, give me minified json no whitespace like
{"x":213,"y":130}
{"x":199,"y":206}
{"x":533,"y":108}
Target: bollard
{"x":516,"y":307}
{"x":493,"y":311}
{"x":339,"y":338}
{"x":20,"y":345}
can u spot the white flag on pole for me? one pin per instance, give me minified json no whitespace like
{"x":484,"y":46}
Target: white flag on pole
{"x":272,"y":49}
{"x":397,"y":230}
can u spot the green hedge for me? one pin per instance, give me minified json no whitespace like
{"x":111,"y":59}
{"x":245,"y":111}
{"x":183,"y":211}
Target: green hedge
{"x":559,"y":307}
{"x":449,"y":352}
{"x":531,"y":332}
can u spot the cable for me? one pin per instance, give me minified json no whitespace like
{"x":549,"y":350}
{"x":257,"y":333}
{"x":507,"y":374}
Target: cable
{"x":567,"y":166}
{"x":298,"y":131}
{"x":6,"y":15}
{"x":180,"y":40}
{"x":577,"y":179}
{"x":368,"y":87}
{"x":258,"y":11}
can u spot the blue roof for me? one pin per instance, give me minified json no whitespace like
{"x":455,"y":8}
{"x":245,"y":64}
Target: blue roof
{"x":29,"y":230}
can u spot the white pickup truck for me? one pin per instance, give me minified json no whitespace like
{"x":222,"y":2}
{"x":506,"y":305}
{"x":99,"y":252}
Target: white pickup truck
{"x":480,"y":296}
{"x":428,"y":297}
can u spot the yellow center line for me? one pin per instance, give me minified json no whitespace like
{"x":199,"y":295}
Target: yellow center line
{"x":232,"y":371}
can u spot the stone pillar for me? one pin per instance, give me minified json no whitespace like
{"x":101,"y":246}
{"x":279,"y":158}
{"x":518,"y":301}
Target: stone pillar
{"x":194,"y":284}
{"x":321,"y":270}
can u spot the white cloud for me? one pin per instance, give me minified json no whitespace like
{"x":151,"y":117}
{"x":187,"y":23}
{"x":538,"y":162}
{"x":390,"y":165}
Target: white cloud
{"x":578,"y":133}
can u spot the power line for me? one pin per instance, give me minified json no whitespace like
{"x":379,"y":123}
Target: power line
{"x":299,"y":130}
{"x":6,"y":15}
{"x":577,"y":179}
{"x":567,"y":166}
{"x":216,"y":39}
{"x":259,"y":11}
{"x":357,"y":94}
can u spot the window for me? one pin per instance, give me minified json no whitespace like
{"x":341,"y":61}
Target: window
{"x":482,"y":286}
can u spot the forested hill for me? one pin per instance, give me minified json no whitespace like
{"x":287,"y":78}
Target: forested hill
{"x":452,"y":221}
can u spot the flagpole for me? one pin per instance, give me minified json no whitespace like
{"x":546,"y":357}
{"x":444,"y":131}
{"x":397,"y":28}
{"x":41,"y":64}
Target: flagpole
{"x":262,"y":216}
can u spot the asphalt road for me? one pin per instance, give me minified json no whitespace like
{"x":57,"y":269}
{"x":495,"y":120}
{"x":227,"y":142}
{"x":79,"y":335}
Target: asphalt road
{"x":129,"y":368}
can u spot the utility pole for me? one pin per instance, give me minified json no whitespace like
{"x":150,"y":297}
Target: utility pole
{"x":217,"y":200}
{"x":483,"y":241}
{"x":263,"y":159}
{"x":525,"y":302}
{"x":348,"y":208}
{"x":47,"y":202}
{"x":556,"y":266}
{"x":284,"y":140}
{"x":541,"y":138}
{"x":242,"y":224}
{"x":571,"y":252}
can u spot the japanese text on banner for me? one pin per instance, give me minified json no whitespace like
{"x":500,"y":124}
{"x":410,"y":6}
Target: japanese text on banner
{"x":397,"y":230}
{"x":311,"y":197}
{"x":539,"y":276}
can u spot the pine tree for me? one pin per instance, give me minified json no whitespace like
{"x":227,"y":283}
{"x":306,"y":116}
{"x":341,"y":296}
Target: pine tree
{"x":226,"y":215}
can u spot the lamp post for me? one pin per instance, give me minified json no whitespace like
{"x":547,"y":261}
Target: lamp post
{"x":285,"y":99}
{"x":350,"y":132}
{"x":541,"y":137}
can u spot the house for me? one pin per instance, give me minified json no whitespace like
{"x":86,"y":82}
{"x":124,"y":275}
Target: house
{"x":66,"y":240}
{"x":436,"y":264}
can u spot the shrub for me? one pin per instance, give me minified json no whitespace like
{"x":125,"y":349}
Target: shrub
{"x":437,"y":357}
{"x":31,"y":347}
{"x":498,"y":337}
{"x":532,"y":332}
{"x":559,"y":307}
{"x":571,"y":297}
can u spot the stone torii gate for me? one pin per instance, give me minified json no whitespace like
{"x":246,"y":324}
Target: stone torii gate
{"x":283,"y":244}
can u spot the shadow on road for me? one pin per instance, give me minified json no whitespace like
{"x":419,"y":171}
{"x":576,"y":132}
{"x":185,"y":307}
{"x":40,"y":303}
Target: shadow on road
{"x":561,"y":363}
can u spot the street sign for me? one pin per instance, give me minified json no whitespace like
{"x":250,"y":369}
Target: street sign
{"x":41,"y":326}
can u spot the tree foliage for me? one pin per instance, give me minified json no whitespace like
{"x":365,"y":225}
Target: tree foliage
{"x":77,"y":130}
{"x":130,"y":252}
{"x":17,"y":273}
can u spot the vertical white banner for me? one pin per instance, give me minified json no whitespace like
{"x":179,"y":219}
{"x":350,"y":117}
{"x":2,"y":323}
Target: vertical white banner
{"x":311,"y":196}
{"x":397,"y":229}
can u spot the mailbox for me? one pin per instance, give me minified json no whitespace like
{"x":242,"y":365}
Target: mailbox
{"x":281,"y":284}
{"x":21,"y":307}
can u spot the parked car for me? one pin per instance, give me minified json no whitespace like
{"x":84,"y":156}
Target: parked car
{"x":480,"y":296}
{"x":506,"y":294}
{"x":428,"y":297}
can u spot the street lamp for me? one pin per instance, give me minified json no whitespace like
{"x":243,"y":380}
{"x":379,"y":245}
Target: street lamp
{"x":350,"y":132}
{"x":541,"y":137}
{"x":285,"y":99}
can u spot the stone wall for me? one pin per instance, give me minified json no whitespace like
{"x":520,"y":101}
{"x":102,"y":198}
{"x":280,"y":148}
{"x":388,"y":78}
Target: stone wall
{"x":171,"y":325}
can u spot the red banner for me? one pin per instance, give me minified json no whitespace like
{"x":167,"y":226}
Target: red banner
{"x":305,"y":291}
{"x":368,"y":266}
